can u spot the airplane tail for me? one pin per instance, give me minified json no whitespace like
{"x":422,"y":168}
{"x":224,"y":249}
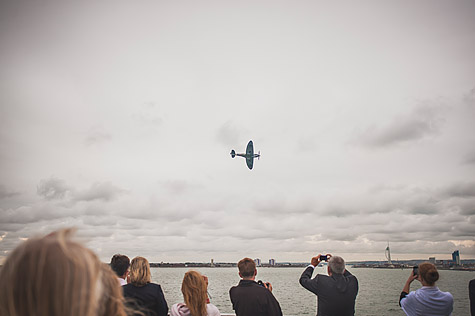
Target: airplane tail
{"x":259,"y":157}
{"x":233,"y":153}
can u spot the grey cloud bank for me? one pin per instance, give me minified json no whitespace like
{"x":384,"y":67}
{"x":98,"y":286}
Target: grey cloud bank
{"x":118,"y":119}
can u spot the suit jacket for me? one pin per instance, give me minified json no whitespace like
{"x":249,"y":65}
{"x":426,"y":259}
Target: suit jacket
{"x":336,"y":294}
{"x":251,"y":299}
{"x":148,"y":299}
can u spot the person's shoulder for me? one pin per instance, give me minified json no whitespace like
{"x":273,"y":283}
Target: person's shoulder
{"x":128,"y":287}
{"x":448,"y":295}
{"x":153,"y":285}
{"x":212,"y":310}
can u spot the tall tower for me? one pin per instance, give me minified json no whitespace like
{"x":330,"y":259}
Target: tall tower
{"x":456,"y":257}
{"x":387,"y":253}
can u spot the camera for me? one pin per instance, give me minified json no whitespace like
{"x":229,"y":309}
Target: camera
{"x":264,"y":284}
{"x":323,"y":258}
{"x":415,"y":270}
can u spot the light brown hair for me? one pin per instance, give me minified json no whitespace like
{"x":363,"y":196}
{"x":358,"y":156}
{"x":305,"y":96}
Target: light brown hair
{"x":139,"y":271}
{"x":246,"y":267}
{"x":112,"y":300}
{"x":52,"y":276}
{"x":428,"y":273}
{"x":194,"y":292}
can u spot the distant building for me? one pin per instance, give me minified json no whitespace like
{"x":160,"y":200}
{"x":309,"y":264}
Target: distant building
{"x":456,"y":257}
{"x":212,"y":262}
{"x":432,"y":260}
{"x":258,"y":262}
{"x":272,"y":262}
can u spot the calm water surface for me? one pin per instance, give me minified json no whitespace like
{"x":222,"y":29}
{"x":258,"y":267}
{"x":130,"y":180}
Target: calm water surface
{"x":379,"y":289}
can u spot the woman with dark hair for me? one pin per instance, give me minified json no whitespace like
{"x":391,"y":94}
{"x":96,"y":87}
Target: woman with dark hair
{"x":194,"y":289}
{"x":141,"y":294}
{"x":428,"y":300}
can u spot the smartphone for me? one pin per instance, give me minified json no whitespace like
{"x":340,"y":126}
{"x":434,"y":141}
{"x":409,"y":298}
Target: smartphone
{"x":323,"y":258}
{"x":415,"y":270}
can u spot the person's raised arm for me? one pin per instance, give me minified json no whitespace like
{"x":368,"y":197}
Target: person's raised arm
{"x":306,"y":277}
{"x":407,"y":286}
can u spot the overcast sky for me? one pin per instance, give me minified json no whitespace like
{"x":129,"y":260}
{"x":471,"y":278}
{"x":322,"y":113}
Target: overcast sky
{"x":117,"y":117}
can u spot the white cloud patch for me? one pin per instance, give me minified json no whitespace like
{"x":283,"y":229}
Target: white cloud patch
{"x":105,"y":191}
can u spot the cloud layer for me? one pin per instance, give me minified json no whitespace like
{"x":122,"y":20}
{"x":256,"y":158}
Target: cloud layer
{"x":118,"y":119}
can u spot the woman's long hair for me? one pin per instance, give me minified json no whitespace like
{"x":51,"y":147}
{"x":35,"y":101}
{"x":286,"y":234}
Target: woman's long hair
{"x":194,"y":293}
{"x":53,"y":276}
{"x":139,"y":271}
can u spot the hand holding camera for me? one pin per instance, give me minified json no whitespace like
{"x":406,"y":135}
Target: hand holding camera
{"x":316,"y":260}
{"x":267,"y":285}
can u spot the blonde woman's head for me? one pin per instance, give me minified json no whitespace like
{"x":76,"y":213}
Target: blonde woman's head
{"x":194,"y":291}
{"x":428,"y":273}
{"x":51,"y":276}
{"x":139,"y":271}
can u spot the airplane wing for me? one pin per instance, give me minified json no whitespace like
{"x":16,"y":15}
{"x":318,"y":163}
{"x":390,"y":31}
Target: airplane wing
{"x":250,"y":154}
{"x":249,"y":162}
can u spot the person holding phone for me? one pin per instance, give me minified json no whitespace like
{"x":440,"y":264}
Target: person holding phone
{"x":428,"y":300}
{"x":336,"y":291}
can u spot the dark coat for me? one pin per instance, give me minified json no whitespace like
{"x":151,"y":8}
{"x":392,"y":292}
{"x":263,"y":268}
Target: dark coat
{"x":148,"y":299}
{"x":251,"y":299}
{"x":336,"y":293}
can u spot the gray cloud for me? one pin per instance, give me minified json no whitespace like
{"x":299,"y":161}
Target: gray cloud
{"x":460,"y":189}
{"x":147,"y":116}
{"x":469,"y":98}
{"x":7,"y":193}
{"x":97,"y":135}
{"x":469,"y":159}
{"x":52,"y":188}
{"x":228,"y":134}
{"x":105,"y":191}
{"x":424,"y":122}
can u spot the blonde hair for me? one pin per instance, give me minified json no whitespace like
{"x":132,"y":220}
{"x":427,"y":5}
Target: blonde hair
{"x":139,"y":271}
{"x":194,"y":293}
{"x":428,"y":273}
{"x":52,"y":276}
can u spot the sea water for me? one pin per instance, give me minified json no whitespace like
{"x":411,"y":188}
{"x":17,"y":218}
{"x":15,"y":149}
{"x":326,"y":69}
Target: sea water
{"x":379,"y":289}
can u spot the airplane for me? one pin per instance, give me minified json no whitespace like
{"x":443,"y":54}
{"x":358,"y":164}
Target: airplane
{"x":249,"y":155}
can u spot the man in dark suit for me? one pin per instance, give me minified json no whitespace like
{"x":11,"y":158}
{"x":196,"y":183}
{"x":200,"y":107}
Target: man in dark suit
{"x":250,"y":298}
{"x":336,"y":291}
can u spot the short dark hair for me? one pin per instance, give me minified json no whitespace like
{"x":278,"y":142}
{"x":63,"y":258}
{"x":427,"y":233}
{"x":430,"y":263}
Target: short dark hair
{"x":246,"y":267}
{"x":120,"y":264}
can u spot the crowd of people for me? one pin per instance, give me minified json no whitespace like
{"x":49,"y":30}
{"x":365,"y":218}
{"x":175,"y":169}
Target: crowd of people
{"x":55,"y":276}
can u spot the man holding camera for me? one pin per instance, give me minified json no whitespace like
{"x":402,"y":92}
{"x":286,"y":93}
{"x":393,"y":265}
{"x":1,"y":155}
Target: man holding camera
{"x":251,"y":298}
{"x":336,"y":291}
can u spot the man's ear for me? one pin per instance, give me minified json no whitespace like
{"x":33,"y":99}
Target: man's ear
{"x":240,"y":275}
{"x":329,"y":270}
{"x":255,"y":272}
